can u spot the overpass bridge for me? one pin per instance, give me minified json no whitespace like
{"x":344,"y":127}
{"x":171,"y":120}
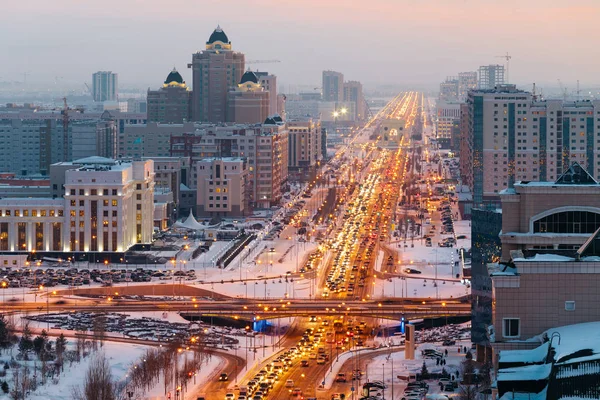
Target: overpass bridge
{"x":254,"y":309}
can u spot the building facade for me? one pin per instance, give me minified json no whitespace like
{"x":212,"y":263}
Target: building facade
{"x":108,"y":207}
{"x":105,"y":86}
{"x":214,"y":71}
{"x":172,"y":103}
{"x":514,"y":138}
{"x":304,"y":148}
{"x":353,"y":92}
{"x":269,"y":84}
{"x":249,"y":102}
{"x":151,"y":139}
{"x":222,"y":187}
{"x":447,"y":112}
{"x":491,"y":76}
{"x":333,"y":86}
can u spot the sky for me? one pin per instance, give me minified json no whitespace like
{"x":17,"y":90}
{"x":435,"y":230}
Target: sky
{"x":375,"y":41}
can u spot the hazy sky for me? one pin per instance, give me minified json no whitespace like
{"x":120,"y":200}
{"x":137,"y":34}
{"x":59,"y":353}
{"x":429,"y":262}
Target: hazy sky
{"x":374,"y":41}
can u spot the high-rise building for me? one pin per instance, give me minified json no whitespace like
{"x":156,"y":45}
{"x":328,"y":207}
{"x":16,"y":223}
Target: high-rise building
{"x":108,"y":206}
{"x":105,"y":86}
{"x":491,"y":76}
{"x":466,"y":81}
{"x":304,"y":145}
{"x":514,"y":138}
{"x":446,"y":113}
{"x":353,"y":92}
{"x":248,"y":103}
{"x":333,"y":86}
{"x":149,"y":140}
{"x":214,"y":71}
{"x":222,"y":187}
{"x":171,"y":104}
{"x":269,"y":83}
{"x":449,"y":89}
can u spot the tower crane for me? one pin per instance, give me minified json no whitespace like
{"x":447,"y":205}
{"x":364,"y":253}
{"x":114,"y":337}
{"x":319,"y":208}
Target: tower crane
{"x":262,"y":61}
{"x":507,"y":57}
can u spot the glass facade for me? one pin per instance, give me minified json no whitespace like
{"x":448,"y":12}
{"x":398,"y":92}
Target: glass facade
{"x":568,"y":222}
{"x":485,"y":248}
{"x":477,"y":149}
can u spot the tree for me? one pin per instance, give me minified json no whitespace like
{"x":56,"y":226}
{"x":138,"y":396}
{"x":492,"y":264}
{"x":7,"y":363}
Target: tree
{"x":60,"y":346}
{"x":4,"y":387}
{"x":467,"y":392}
{"x":25,"y":344}
{"x":98,"y":383}
{"x":424,"y":371}
{"x":467,"y":371}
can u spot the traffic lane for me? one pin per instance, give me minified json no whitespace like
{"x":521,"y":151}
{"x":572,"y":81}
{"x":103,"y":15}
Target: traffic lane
{"x":231,"y":366}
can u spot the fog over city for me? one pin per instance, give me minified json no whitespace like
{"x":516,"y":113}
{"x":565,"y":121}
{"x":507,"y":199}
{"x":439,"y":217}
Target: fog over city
{"x":379,"y":41}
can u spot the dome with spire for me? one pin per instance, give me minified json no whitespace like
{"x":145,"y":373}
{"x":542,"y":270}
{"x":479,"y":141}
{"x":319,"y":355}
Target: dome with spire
{"x":249,"y":76}
{"x":174,"y":77}
{"x":218,"y":36}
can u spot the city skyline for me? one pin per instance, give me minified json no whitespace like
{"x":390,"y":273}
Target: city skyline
{"x":448,"y":36}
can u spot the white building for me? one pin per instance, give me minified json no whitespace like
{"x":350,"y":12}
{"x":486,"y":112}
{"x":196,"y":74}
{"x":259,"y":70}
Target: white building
{"x":108,"y":207}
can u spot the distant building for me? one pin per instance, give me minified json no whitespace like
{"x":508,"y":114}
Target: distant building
{"x":304,"y":146}
{"x":447,"y":112}
{"x":222,"y":187}
{"x":248,"y":103}
{"x":214,"y":71}
{"x":150,"y":140}
{"x":333,"y":86}
{"x":490,"y":76}
{"x":466,"y":81}
{"x":449,"y":89}
{"x":172,"y":103}
{"x":108,"y":207}
{"x":353,"y":92}
{"x":105,"y":86}
{"x":269,"y":84}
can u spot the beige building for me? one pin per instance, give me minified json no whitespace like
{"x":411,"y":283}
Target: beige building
{"x":304,"y":147}
{"x":108,"y":206}
{"x":214,"y":71}
{"x":269,"y":83}
{"x":172,"y":103}
{"x":249,"y":102}
{"x":550,"y":272}
{"x":353,"y":92}
{"x":222,"y":187}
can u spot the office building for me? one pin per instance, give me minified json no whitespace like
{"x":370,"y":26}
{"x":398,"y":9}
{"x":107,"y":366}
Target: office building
{"x":214,"y":71}
{"x":150,"y":140}
{"x":172,"y":103}
{"x":269,"y":84}
{"x":466,"y":81}
{"x":248,"y":103}
{"x":108,"y":207}
{"x":333,"y":86}
{"x":40,"y":139}
{"x":447,"y":112}
{"x":449,"y":89}
{"x":514,"y":138}
{"x":305,"y":148}
{"x":105,"y":86}
{"x":222,"y":187}
{"x":353,"y":92}
{"x":490,"y":76}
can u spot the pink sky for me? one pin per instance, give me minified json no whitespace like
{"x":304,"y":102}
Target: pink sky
{"x":372,"y":41}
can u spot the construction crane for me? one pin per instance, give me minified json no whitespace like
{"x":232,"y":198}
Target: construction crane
{"x":262,"y":61}
{"x":88,"y":88}
{"x":507,"y":57}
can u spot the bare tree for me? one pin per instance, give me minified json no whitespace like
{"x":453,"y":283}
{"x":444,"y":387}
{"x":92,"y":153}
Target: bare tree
{"x":98,"y":383}
{"x":467,"y":392}
{"x":99,"y":328}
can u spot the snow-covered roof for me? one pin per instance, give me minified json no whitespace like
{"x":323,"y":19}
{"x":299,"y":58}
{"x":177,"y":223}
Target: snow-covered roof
{"x":534,"y":372}
{"x":532,"y":356}
{"x":526,"y":396}
{"x":546,"y":257}
{"x":579,"y":342}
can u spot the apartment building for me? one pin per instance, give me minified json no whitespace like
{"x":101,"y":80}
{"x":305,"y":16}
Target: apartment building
{"x":171,"y":103}
{"x":222,"y":187}
{"x":304,"y":148}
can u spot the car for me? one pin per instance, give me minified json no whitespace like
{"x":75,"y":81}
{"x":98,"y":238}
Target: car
{"x":297,"y":392}
{"x":223,"y":377}
{"x":321,"y":360}
{"x":449,"y":387}
{"x":341,"y":377}
{"x":289,"y":383}
{"x":230,"y":396}
{"x":448,"y":342}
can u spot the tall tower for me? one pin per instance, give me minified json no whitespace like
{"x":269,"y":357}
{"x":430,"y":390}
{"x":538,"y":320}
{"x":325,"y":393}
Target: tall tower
{"x":105,"y":86}
{"x":171,"y":103}
{"x":214,"y":71}
{"x":333,"y":86}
